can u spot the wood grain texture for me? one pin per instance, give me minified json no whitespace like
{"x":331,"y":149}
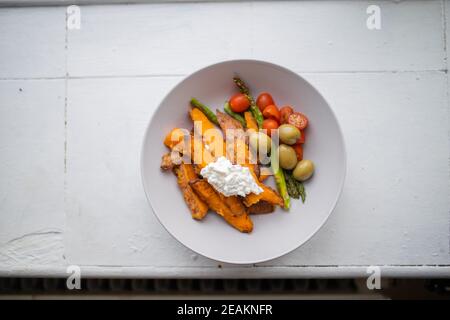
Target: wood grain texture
{"x":332,"y":36}
{"x":389,"y":89}
{"x":304,"y":36}
{"x":38,"y":3}
{"x":32,"y":42}
{"x":397,"y":190}
{"x":107,"y":209}
{"x":218,"y":271}
{"x":397,"y":175}
{"x":31,"y":169}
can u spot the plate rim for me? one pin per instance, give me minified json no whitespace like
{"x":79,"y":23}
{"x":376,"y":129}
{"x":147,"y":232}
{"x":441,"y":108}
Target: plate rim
{"x":274,"y":65}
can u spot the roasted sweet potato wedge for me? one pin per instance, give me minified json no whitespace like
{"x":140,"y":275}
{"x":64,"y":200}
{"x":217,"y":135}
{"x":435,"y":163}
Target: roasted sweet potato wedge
{"x":250,"y":120}
{"x":180,"y":140}
{"x":169,"y":161}
{"x":235,"y":138}
{"x":226,"y":122}
{"x":175,"y":136}
{"x":211,"y":134}
{"x":268,"y":193}
{"x":185,"y":173}
{"x":261,"y":207}
{"x":235,"y":204}
{"x":207,"y":193}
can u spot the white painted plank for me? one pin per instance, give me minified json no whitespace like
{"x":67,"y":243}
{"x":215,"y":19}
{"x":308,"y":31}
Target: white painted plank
{"x":395,"y":217}
{"x":446,"y":24}
{"x":395,"y":205}
{"x":32,"y":172}
{"x":393,"y":211}
{"x":23,"y":3}
{"x":333,"y":36}
{"x":107,"y":209}
{"x":154,"y":39}
{"x":250,"y":272}
{"x":32,"y":42}
{"x":304,"y":35}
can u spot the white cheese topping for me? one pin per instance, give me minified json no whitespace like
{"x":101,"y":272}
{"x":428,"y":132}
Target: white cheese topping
{"x":230,"y":179}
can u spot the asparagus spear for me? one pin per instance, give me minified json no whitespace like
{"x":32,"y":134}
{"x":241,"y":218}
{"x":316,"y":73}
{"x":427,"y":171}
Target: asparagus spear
{"x":205,"y":109}
{"x":279,"y":177}
{"x":301,"y":190}
{"x":291,"y":185}
{"x":253,"y":107}
{"x":295,"y":188}
{"x":233,"y":114}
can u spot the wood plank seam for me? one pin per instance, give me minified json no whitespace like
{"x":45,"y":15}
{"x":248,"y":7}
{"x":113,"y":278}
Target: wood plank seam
{"x":175,"y":75}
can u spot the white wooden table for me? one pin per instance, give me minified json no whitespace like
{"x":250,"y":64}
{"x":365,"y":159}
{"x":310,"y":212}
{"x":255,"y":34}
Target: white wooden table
{"x":74,"y":105}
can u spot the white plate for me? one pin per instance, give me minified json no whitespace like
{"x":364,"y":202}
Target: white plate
{"x":273,"y":234}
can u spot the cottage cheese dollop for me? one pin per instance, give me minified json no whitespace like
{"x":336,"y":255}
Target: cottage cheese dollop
{"x":230,"y":179}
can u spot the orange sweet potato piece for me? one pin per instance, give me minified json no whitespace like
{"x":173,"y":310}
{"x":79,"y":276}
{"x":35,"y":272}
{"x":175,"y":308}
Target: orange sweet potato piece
{"x":198,"y":116}
{"x":188,"y":146}
{"x":261,"y":207}
{"x":207,"y":193}
{"x":271,"y":195}
{"x":211,"y":134}
{"x":250,"y":120}
{"x":169,"y":161}
{"x":185,"y":173}
{"x":174,"y":137}
{"x":235,"y":204}
{"x":251,"y":199}
{"x":188,"y":172}
{"x":268,"y":193}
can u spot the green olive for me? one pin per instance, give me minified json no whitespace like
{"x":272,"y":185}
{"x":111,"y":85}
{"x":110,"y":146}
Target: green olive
{"x":289,"y":134}
{"x":287,"y":156}
{"x":304,"y":170}
{"x":260,"y":140}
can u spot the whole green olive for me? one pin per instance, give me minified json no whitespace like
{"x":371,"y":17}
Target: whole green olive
{"x":288,"y":133}
{"x":304,"y":170}
{"x":259,"y":141}
{"x":287,"y":157}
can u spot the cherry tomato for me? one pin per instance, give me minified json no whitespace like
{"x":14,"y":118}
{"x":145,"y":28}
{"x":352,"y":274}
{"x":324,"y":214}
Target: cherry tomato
{"x":271,"y":112}
{"x":264,"y":100}
{"x":239,"y":102}
{"x":299,"y":120}
{"x":302,"y":138}
{"x":269,"y":125}
{"x":298,"y":148}
{"x":285,"y":112}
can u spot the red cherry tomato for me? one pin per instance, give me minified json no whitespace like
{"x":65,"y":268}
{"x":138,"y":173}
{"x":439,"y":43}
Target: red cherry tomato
{"x":264,"y":100}
{"x":285,"y":112}
{"x":271,"y":112}
{"x":299,"y":120}
{"x":302,"y":138}
{"x":239,"y":102}
{"x":298,"y":148}
{"x":269,"y":125}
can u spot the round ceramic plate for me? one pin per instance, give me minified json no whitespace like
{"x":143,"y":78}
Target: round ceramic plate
{"x":273,"y":234}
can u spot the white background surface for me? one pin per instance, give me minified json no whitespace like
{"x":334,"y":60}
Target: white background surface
{"x":74,"y":105}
